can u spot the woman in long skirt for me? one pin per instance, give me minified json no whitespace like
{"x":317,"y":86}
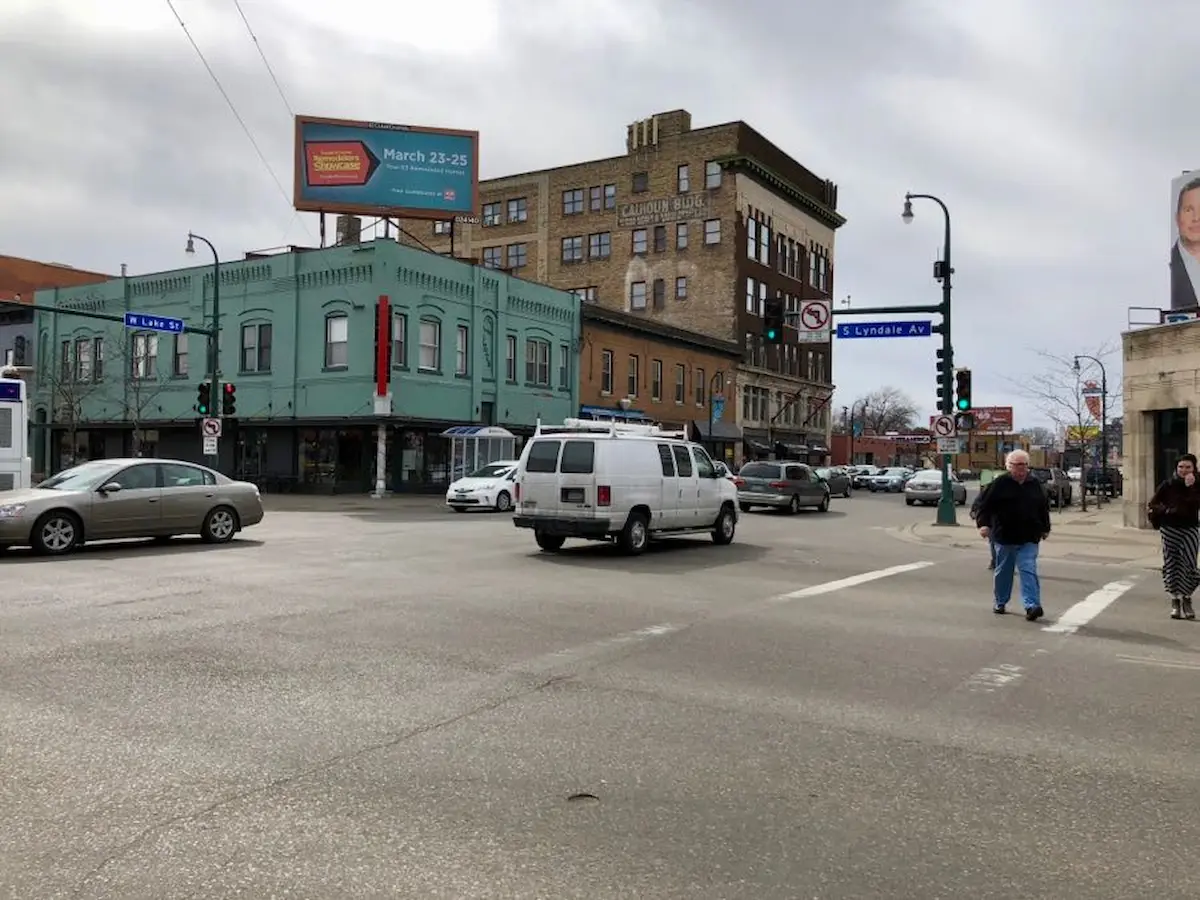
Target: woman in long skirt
{"x":1175,"y":507}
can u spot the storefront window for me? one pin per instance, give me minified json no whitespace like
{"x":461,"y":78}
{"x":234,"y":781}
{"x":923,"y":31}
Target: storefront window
{"x":329,"y":456}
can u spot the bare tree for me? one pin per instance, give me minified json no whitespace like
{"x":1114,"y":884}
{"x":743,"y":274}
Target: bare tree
{"x":141,"y":382}
{"x":69,"y":383}
{"x":1058,"y":393}
{"x":886,"y":409}
{"x":1040,"y":436}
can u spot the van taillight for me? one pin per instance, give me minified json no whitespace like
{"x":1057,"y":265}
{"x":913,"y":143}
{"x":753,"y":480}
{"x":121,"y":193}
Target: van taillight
{"x":604,"y":495}
{"x":739,"y":482}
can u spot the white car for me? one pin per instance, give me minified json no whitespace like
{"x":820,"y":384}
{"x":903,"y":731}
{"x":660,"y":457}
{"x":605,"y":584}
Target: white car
{"x":605,"y":481}
{"x":488,"y":488}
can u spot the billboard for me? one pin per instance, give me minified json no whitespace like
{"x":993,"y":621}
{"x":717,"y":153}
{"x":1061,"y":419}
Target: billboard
{"x":368,"y":168}
{"x":989,"y":420}
{"x":1185,"y":240}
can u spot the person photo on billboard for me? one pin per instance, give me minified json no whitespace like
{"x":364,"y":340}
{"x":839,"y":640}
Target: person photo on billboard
{"x":1185,"y":255}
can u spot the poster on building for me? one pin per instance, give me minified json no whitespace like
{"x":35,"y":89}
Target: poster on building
{"x":1185,"y":240}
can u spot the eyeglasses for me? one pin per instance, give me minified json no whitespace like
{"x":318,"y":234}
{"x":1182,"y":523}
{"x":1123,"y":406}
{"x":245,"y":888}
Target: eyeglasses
{"x":1019,"y":465}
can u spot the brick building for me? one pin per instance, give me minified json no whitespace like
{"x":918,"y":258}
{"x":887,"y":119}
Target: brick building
{"x":664,"y":374}
{"x":19,"y":279}
{"x":689,"y":228}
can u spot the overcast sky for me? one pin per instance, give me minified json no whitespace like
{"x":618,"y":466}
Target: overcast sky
{"x":1051,"y":129}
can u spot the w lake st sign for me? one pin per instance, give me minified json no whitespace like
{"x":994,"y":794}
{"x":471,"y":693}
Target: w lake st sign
{"x":884,"y":329}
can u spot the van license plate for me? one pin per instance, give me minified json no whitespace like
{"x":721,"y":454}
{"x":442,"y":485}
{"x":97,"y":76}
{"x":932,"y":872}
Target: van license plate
{"x":572,"y":495}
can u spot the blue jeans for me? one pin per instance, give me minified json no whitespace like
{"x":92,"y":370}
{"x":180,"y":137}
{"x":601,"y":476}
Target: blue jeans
{"x":1021,"y":558}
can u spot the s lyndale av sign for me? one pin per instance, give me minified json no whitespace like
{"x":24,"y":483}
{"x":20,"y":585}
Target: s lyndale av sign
{"x":368,"y":168}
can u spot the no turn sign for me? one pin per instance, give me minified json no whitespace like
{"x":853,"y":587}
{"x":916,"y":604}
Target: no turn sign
{"x":210,"y":428}
{"x":943,"y":426}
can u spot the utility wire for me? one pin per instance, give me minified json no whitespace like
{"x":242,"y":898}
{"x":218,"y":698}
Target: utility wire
{"x":263,"y":56}
{"x":233,"y":109}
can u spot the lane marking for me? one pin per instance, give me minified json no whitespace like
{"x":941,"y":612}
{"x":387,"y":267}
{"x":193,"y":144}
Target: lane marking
{"x":828,"y":587}
{"x":1164,"y":663}
{"x":1088,"y":608}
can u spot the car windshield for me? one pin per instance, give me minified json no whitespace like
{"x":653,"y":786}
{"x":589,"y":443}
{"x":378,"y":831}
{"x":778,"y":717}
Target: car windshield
{"x":759,"y":470}
{"x":79,"y":478}
{"x":491,"y":470}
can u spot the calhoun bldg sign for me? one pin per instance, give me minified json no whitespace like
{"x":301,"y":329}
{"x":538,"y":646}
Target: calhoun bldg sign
{"x":684,"y":208}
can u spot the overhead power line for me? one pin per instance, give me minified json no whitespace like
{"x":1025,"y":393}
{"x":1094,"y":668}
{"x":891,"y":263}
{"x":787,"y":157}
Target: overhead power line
{"x":263,"y":56}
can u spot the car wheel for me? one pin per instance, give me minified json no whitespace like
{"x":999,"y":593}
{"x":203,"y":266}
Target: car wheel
{"x":910,"y":501}
{"x":551,"y":543}
{"x":744,"y":507}
{"x":56,"y":533}
{"x":635,"y":536}
{"x":794,"y":505}
{"x":725,"y":527}
{"x":220,"y":525}
{"x":823,"y":506}
{"x":461,"y":509}
{"x":503,"y":502}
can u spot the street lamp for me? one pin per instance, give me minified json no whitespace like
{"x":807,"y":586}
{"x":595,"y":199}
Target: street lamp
{"x":214,"y":338}
{"x":942,"y":270}
{"x":1102,"y":485}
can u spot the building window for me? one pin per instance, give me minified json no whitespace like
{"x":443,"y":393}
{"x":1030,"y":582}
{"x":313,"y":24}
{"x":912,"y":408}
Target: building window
{"x":145,"y":356}
{"x":681,"y":179}
{"x":518,"y":210}
{"x":98,"y":358}
{"x":681,"y":287}
{"x":812,"y":268}
{"x":491,"y":257}
{"x":606,"y":372}
{"x":637,"y":295}
{"x":600,"y":245}
{"x":764,"y":242}
{"x":656,"y":380}
{"x":595,"y":199}
{"x":9,"y":356}
{"x":823,"y":274}
{"x":491,"y":214}
{"x":762,"y":298}
{"x":516,"y":256}
{"x":430,"y":350}
{"x":18,"y":357}
{"x":586,"y":294}
{"x":256,"y":349}
{"x":337,"y":336}
{"x":462,"y":346}
{"x":83,"y":359}
{"x":510,"y":358}
{"x":640,"y":241}
{"x":572,"y":249}
{"x":399,"y":340}
{"x":660,"y":238}
{"x":681,"y":236}
{"x":751,"y":296}
{"x":641,"y":182}
{"x":699,"y":384}
{"x":573,"y":202}
{"x":660,"y":293}
{"x":610,"y":196}
{"x":712,"y":174}
{"x":632,"y":381}
{"x":179,"y":366}
{"x":680,"y":382}
{"x":443,"y":227}
{"x":564,"y":359}
{"x":65,"y":372}
{"x":537,"y":362}
{"x":712,"y":231}
{"x":751,"y":237}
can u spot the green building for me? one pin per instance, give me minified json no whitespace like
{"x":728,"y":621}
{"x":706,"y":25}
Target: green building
{"x":471,"y":346}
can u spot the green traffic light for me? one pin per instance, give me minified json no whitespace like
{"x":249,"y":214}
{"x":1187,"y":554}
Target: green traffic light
{"x":770,"y":334}
{"x":964,"y":403}
{"x":203,"y":410}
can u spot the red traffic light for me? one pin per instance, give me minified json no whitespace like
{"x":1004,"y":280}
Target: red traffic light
{"x":230,"y":389}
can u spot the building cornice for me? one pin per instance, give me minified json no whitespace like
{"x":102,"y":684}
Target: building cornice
{"x":600,"y":315}
{"x":740,"y":162}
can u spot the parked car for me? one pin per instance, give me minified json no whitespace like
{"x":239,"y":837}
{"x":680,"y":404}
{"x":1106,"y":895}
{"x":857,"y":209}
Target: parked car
{"x":863,"y":475}
{"x":838,"y":479}
{"x":1057,"y":483}
{"x":781,"y":485}
{"x":625,"y":483}
{"x":1108,"y":481}
{"x":109,"y":499}
{"x":891,"y":480}
{"x":723,"y":470}
{"x":490,"y":487}
{"x":925,"y":487}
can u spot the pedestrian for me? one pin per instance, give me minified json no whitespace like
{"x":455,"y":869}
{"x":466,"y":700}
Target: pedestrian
{"x":1015,"y":513}
{"x":1175,"y":511}
{"x":975,"y":515}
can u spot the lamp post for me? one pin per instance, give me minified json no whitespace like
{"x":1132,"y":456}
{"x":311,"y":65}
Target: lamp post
{"x":1102,"y":485}
{"x":214,"y":338}
{"x":942,"y":270}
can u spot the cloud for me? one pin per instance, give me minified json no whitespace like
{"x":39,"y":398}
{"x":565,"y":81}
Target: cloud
{"x":1051,"y":131}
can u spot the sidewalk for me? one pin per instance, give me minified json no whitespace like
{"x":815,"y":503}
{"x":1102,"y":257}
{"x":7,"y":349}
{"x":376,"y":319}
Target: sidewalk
{"x":1096,"y":536}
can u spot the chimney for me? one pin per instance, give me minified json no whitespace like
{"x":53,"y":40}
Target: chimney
{"x":646,"y":133}
{"x":349,"y":230}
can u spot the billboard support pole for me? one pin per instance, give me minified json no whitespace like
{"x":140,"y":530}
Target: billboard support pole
{"x":322,"y":217}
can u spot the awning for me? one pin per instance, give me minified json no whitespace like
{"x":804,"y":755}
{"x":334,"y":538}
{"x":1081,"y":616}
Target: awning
{"x":796,"y":449}
{"x":756,"y":446}
{"x":603,"y":413}
{"x":477,"y":431}
{"x":720,"y":431}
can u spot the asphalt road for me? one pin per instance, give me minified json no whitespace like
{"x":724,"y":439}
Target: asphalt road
{"x":352,"y":705}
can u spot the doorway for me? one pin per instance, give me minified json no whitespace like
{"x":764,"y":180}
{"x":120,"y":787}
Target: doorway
{"x":1170,"y":442}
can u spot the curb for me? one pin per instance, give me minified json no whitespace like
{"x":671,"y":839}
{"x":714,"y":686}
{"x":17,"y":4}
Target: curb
{"x":908,"y":534}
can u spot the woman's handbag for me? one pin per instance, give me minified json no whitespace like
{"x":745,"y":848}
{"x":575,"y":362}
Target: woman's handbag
{"x":1155,"y":512}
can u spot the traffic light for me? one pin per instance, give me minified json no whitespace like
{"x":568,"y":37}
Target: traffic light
{"x":945,"y":366}
{"x":204,"y":398}
{"x":773,"y":320}
{"x":963,"y":381}
{"x":229,"y":400}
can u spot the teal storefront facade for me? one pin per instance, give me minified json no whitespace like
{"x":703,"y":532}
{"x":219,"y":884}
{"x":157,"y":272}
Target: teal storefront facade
{"x":470,"y":346}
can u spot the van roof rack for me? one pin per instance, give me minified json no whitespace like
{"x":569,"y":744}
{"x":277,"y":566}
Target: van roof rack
{"x":612,"y":428}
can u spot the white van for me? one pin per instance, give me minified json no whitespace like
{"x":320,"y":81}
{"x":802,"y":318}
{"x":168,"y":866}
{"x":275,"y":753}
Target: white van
{"x":627,"y":483}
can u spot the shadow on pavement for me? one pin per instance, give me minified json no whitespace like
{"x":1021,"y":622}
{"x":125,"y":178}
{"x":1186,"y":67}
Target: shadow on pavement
{"x":131,"y":550}
{"x":681,"y":553}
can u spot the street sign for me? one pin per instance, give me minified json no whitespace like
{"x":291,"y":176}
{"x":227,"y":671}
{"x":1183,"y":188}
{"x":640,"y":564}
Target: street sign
{"x":813,"y":321}
{"x":210,"y":427}
{"x":943,"y":426}
{"x":884,"y":329}
{"x":143,"y":322}
{"x":212,"y":444}
{"x":949,"y":445}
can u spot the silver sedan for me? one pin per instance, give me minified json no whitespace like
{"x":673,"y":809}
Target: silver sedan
{"x":926,"y":488}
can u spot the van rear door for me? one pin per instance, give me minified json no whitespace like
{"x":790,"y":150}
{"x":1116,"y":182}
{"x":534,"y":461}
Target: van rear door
{"x":577,"y":492}
{"x":539,"y":477}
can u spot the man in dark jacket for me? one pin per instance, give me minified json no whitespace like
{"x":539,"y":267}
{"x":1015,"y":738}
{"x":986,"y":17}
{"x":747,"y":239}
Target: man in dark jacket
{"x":1015,"y":513}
